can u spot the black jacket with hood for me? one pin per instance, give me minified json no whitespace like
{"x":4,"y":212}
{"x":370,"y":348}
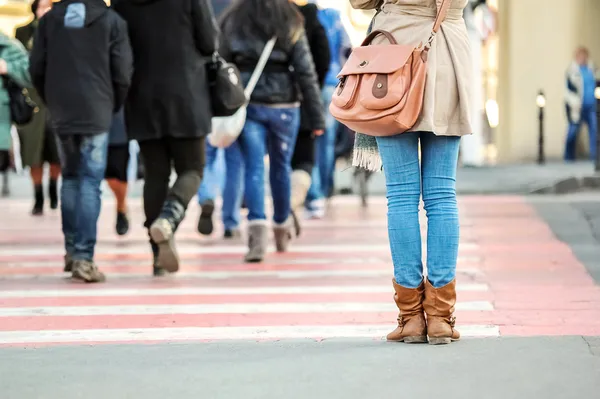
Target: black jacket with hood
{"x":172,"y":40}
{"x":81,"y":65}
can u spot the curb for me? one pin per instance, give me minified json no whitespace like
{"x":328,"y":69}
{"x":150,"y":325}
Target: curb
{"x":570,"y":185}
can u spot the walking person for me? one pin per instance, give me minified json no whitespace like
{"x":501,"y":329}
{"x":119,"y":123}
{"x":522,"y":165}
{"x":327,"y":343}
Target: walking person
{"x":14,"y":66}
{"x":303,"y":159}
{"x":581,"y":102}
{"x":322,"y":176}
{"x":81,"y":68}
{"x":168,"y":110}
{"x":229,"y":181}
{"x":444,"y":118}
{"x":38,"y":144}
{"x":117,"y":163}
{"x":273,"y":115}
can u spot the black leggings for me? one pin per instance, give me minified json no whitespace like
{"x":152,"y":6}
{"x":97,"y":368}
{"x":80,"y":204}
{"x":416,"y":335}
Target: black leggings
{"x":304,"y":152}
{"x":187,"y":156}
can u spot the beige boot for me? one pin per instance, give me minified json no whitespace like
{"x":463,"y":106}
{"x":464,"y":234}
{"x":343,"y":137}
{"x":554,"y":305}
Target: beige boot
{"x":283,"y":235}
{"x":301,"y":181}
{"x":257,"y":241}
{"x":411,"y":320}
{"x":439,"y":306}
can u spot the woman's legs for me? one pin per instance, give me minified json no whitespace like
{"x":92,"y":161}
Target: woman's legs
{"x":400,"y":155}
{"x":116,"y":177}
{"x":233,"y":190}
{"x":37,"y":177}
{"x":303,"y":162}
{"x":252,"y":143}
{"x":439,"y":158}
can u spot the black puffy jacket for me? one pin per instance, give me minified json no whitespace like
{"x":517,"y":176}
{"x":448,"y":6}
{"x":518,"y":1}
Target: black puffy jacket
{"x":289,"y":76}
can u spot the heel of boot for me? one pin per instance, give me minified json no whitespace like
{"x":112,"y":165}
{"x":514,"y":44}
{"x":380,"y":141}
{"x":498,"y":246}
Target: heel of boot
{"x":439,"y":340}
{"x":418,"y":339}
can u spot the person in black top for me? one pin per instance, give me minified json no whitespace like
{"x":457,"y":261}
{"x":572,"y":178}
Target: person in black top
{"x":169,"y":110}
{"x":81,"y":66}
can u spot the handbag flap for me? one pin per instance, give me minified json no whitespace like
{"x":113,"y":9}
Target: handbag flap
{"x":377,"y":58}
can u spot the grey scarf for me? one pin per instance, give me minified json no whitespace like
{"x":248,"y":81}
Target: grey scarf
{"x":366,"y":153}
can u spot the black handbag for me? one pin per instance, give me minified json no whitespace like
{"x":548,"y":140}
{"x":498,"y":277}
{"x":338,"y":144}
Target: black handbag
{"x":22,"y":107}
{"x":226,"y":87}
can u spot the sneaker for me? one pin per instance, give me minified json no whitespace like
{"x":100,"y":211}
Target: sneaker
{"x":316,"y":209}
{"x":87,"y":271}
{"x":122,"y":225}
{"x":205,"y":223}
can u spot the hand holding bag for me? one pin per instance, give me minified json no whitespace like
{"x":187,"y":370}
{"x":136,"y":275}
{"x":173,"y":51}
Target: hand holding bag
{"x":226,"y":130}
{"x":382,"y":86}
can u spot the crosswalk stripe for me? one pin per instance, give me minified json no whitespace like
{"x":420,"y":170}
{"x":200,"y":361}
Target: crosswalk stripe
{"x":218,"y":334}
{"x":226,"y":308}
{"x":115,"y":292}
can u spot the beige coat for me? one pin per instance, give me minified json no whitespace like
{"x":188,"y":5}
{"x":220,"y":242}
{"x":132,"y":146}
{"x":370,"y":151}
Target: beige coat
{"x":448,"y":88}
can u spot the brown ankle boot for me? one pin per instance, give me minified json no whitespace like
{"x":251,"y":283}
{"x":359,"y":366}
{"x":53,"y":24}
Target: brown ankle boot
{"x":411,"y":320}
{"x":439,"y":306}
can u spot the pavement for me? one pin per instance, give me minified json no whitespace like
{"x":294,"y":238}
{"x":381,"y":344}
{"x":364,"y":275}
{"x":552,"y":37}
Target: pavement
{"x":309,"y":322}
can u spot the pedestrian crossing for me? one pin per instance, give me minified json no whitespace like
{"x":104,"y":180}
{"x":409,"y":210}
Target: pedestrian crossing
{"x":335,"y":283}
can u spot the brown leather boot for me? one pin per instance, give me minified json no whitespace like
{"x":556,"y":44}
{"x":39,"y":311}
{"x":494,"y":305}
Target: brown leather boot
{"x":439,"y":306}
{"x":411,"y":320}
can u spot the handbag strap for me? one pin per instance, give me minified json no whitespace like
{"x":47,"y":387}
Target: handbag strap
{"x":260,"y":66}
{"x":442,"y":12}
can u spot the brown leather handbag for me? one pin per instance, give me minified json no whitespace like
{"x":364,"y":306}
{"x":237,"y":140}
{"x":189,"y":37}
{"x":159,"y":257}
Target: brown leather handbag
{"x":381,"y":86}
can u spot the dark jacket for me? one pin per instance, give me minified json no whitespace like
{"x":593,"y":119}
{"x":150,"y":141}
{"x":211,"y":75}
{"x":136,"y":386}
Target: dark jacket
{"x":289,"y":76}
{"x":171,"y":41}
{"x":319,"y":48}
{"x":81,"y":67}
{"x":25,"y":34}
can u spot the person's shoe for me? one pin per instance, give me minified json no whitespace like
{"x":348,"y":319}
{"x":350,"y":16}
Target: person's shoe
{"x":87,"y":271}
{"x":157,"y":271}
{"x":205,"y":223}
{"x":232,"y":234}
{"x":257,"y":241}
{"x":53,"y":194}
{"x":439,"y":306}
{"x":162,"y":233}
{"x":411,"y":320}
{"x":122,"y":225}
{"x":300,"y":182}
{"x":38,"y":206}
{"x":283,"y":235}
{"x":68,"y":264}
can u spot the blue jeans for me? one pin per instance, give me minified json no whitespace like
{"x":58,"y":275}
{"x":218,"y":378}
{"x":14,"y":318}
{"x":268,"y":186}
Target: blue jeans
{"x":269,"y":130}
{"x":83,"y":162}
{"x":588,"y":116}
{"x":435,"y":179}
{"x":225,"y":178}
{"x":322,"y":176}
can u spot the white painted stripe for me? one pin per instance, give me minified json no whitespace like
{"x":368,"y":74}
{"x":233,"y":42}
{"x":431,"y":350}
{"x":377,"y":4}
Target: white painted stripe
{"x":35,"y":250}
{"x":219,"y":333}
{"x":225,"y":308}
{"x":180,"y":291}
{"x":248,"y":274}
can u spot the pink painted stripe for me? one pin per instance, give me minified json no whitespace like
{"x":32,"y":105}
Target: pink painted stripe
{"x":40,"y":323}
{"x":218,"y":299}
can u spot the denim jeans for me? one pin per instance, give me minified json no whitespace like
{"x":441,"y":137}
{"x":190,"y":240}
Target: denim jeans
{"x":269,"y":130}
{"x":224,"y":175}
{"x":435,"y":179}
{"x":83,"y":162}
{"x":588,"y":116}
{"x":322,"y":176}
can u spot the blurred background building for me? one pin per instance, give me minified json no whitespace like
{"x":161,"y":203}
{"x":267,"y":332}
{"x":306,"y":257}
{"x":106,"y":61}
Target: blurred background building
{"x":520,"y":47}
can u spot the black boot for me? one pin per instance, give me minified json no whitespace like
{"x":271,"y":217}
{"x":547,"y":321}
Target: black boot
{"x":157,"y":271}
{"x":162,"y":232}
{"x":53,"y":194}
{"x":205,"y":223}
{"x":38,"y":207}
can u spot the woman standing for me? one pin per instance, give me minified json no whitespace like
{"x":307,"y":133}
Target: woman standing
{"x":444,"y":118}
{"x":273,"y":114}
{"x":38,"y":145}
